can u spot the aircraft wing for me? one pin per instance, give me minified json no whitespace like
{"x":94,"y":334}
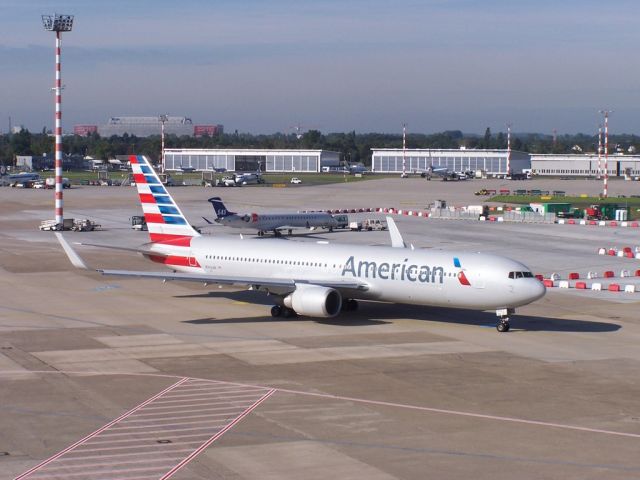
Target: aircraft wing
{"x":208,"y":278}
{"x":262,"y":281}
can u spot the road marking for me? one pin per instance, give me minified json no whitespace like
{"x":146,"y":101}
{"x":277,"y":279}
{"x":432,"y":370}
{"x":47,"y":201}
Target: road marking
{"x":157,"y":448}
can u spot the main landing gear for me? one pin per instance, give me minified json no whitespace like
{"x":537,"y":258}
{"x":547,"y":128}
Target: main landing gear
{"x":504,"y":314}
{"x":349,"y":305}
{"x":281,"y":311}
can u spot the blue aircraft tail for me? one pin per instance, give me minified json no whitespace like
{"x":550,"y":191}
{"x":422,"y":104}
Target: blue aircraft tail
{"x":219,"y":208}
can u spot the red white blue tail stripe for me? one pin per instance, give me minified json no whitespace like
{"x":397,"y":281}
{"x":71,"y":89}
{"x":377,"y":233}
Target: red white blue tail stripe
{"x":165,"y":221}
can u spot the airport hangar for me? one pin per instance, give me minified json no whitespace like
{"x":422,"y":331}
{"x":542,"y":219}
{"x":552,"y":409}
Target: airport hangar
{"x":250,"y":160}
{"x":492,"y":162}
{"x":584,"y":165}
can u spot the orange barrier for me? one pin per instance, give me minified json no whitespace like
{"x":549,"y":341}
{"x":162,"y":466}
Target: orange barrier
{"x":581,"y":285}
{"x":548,"y":283}
{"x":608,"y":274}
{"x":540,"y":277}
{"x":574,"y":276}
{"x":614,"y":287}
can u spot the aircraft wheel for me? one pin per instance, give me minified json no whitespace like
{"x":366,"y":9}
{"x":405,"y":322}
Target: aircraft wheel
{"x":289,"y":313}
{"x":350,"y":305}
{"x":276,"y":311}
{"x":503,"y":326}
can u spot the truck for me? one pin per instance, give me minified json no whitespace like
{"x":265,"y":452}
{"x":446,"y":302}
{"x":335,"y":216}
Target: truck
{"x":138,"y":223}
{"x":50,"y":182}
{"x":355,"y":226}
{"x":374,"y":224}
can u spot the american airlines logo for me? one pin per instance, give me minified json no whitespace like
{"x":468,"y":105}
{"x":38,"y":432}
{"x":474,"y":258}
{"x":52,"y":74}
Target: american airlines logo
{"x":393,"y":271}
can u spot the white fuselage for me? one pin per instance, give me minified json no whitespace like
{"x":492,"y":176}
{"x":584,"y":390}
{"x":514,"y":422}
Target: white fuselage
{"x":402,"y":275}
{"x":274,"y":221}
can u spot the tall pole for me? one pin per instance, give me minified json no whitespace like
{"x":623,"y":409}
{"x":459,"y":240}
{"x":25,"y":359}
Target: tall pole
{"x":58,"y":23}
{"x":163,"y":119}
{"x":508,"y":149}
{"x":599,"y":152}
{"x":605,"y":188}
{"x":58,"y":132}
{"x":404,"y":150}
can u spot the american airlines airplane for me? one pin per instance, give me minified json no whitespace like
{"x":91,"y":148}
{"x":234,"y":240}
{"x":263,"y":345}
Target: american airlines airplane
{"x":270,"y":221}
{"x":321,"y":279}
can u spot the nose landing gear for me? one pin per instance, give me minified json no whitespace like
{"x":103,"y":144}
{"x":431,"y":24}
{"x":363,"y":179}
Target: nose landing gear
{"x":504,"y":314}
{"x":503,"y":325}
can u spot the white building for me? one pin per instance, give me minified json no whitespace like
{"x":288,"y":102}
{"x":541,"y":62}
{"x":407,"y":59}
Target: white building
{"x":584,"y":164}
{"x":247,"y":160}
{"x":493,"y":162}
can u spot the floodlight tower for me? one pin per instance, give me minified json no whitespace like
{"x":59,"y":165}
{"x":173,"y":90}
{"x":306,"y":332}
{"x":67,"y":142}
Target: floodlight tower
{"x":508,"y":149}
{"x":599,"y":151}
{"x":404,"y":150}
{"x":605,"y":189}
{"x":163,"y":119}
{"x":58,"y":23}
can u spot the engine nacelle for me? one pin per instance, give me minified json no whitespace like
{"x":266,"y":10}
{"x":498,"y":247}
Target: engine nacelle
{"x":314,"y":301}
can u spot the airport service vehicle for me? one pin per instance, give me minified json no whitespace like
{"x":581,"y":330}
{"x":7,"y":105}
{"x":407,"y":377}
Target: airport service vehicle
{"x":319,"y":279}
{"x":296,"y":180}
{"x":50,"y":182}
{"x":67,"y":224}
{"x":374,"y":224}
{"x":138,"y":223}
{"x":266,"y":222}
{"x":355,"y":226}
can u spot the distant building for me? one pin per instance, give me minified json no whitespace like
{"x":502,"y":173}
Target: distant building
{"x":47,"y":162}
{"x":245,"y":160}
{"x":151,"y":125}
{"x":85,"y":130}
{"x":207,"y":130}
{"x":492,"y":162}
{"x":584,"y":165}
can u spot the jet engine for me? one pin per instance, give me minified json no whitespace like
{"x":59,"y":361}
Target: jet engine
{"x":314,"y":301}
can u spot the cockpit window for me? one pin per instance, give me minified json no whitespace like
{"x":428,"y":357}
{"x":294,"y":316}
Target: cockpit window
{"x":520,"y":275}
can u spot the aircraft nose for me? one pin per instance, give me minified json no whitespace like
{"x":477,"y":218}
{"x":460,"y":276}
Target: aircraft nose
{"x":537,"y":289}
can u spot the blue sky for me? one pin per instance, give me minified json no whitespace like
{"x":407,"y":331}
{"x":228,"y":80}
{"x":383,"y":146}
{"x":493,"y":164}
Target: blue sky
{"x":264,"y":66}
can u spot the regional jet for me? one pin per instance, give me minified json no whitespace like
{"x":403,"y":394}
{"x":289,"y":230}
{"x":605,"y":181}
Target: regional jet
{"x":321,"y":279}
{"x":267,"y":222}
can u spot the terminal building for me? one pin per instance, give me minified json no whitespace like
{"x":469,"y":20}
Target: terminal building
{"x":246,"y":160}
{"x":148,"y":126}
{"x":584,"y":165}
{"x":417,"y":160}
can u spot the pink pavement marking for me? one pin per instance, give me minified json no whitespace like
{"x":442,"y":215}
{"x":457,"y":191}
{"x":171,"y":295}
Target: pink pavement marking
{"x":234,"y":402}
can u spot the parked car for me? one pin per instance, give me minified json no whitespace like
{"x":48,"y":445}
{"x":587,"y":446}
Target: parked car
{"x":296,"y":180}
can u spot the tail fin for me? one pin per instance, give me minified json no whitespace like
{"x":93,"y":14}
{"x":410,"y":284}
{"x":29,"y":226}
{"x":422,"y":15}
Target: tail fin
{"x":219,"y":208}
{"x":165,"y":221}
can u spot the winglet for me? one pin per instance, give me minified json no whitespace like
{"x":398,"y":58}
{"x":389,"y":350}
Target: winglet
{"x":396,"y":236}
{"x":74,"y":258}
